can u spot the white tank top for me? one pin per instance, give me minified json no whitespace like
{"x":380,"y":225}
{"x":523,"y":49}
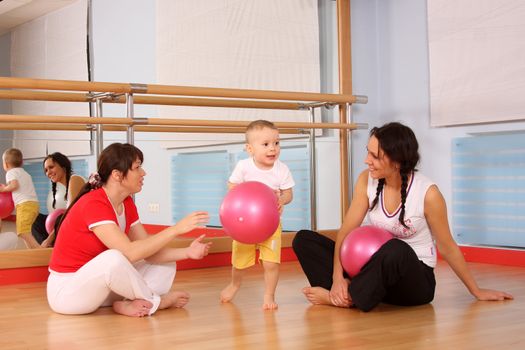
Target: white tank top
{"x":418,"y":234}
{"x":61,"y":202}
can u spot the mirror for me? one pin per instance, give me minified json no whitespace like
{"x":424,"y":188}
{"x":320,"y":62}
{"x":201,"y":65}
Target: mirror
{"x":188,"y":173}
{"x":135,"y":60}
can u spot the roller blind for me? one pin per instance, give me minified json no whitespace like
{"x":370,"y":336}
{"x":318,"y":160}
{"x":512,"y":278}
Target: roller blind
{"x":477,"y":61}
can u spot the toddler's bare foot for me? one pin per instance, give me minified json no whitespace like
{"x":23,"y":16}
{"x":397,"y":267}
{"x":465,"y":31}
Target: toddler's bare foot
{"x":228,"y":293}
{"x":320,"y":296}
{"x":133,"y":308}
{"x":269,"y":302}
{"x":174,"y":299}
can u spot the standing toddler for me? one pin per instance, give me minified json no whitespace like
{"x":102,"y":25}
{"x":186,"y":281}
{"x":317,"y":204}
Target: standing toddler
{"x":20,"y":184}
{"x":262,"y":144}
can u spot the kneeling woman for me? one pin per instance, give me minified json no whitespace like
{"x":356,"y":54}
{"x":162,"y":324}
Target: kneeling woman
{"x":103,"y":256}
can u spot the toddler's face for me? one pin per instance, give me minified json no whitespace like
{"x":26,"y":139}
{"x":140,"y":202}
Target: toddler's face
{"x":264,"y":147}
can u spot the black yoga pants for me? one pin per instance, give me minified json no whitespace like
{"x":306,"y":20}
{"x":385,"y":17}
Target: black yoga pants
{"x":393,"y":275}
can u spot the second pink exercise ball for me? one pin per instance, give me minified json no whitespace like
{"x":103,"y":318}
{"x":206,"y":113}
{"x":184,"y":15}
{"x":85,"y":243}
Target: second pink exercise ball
{"x":52,"y":218}
{"x":359,"y":246}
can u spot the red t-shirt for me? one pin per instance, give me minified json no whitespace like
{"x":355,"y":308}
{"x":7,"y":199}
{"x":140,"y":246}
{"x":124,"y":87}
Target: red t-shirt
{"x":76,"y":243}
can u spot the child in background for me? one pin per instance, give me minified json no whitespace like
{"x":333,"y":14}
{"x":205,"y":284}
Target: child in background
{"x":20,"y":184}
{"x":262,"y":144}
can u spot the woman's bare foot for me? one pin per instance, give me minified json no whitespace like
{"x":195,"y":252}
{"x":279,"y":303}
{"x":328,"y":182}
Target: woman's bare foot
{"x":174,"y":299}
{"x":320,"y":296}
{"x":269,"y":302}
{"x":228,"y":293}
{"x":133,"y":308}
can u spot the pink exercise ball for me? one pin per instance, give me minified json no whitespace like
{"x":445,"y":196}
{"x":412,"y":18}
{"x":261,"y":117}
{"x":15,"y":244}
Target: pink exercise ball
{"x":52,"y":218}
{"x":249,"y":212}
{"x":359,"y":246}
{"x":6,"y":204}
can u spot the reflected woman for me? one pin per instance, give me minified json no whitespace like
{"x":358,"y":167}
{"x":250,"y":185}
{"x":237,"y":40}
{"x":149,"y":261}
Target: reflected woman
{"x":65,"y":187}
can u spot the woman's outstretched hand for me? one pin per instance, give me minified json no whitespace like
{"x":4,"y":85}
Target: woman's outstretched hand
{"x":489,"y":294}
{"x":198,"y":249}
{"x":192,"y":221}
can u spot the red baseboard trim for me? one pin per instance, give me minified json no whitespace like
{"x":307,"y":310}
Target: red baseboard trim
{"x":24,"y":275}
{"x":497,"y":256}
{"x":210,"y":232}
{"x":485,"y":255}
{"x":224,"y":259}
{"x":40,"y":273}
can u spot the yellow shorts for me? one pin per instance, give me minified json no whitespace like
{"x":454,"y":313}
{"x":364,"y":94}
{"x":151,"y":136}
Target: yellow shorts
{"x":243,"y":255}
{"x":26,"y":214}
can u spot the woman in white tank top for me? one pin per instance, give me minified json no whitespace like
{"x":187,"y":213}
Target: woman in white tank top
{"x":65,"y":186}
{"x":392,"y":195}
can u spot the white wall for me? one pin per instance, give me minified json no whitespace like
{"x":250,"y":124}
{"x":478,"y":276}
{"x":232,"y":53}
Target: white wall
{"x":6,"y":136}
{"x":124,"y":51}
{"x":395,"y":33}
{"x":390,"y":66}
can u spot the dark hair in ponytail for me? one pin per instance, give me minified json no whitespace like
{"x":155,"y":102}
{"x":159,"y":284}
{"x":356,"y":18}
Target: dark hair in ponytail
{"x":117,"y":156}
{"x":399,"y":143}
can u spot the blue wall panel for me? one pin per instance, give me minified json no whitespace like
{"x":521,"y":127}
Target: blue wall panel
{"x":488,"y":183}
{"x":200,"y":183}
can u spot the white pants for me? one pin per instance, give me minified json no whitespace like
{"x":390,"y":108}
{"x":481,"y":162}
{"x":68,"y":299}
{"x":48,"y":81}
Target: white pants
{"x":105,"y":279}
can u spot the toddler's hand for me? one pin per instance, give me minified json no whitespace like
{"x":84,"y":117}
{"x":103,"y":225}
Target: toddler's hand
{"x":280,"y":207}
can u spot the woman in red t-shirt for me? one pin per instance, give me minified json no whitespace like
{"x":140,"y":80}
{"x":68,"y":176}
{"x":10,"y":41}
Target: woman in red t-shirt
{"x":104,"y":256}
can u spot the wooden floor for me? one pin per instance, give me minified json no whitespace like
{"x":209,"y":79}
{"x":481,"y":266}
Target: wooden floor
{"x":453,"y":321}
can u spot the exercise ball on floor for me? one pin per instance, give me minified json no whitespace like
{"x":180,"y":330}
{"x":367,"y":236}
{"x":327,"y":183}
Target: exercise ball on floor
{"x":249,"y":212}
{"x":359,"y":246}
{"x":52,"y":218}
{"x":6,"y":204}
{"x":8,"y":240}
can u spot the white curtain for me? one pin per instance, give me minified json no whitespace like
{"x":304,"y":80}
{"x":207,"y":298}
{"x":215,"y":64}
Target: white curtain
{"x":255,"y":44}
{"x":477,"y":61}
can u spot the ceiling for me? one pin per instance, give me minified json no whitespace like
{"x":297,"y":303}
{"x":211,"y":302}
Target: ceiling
{"x":16,"y":12}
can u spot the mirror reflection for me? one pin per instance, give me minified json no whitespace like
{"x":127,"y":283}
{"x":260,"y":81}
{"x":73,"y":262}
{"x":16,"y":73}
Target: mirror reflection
{"x":186,"y":179}
{"x":185,"y":171}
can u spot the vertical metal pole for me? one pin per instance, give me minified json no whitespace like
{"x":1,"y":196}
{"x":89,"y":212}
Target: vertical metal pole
{"x":350,"y":147}
{"x":313,"y":179}
{"x":99,"y":142}
{"x":130,"y":113}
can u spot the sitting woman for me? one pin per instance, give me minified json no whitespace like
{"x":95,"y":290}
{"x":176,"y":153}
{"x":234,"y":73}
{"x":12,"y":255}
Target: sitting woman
{"x":103,"y":256}
{"x":65,"y":186}
{"x":393,"y":195}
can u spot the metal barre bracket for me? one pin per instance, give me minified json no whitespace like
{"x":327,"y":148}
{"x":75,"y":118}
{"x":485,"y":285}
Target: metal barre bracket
{"x":138,"y":88}
{"x":327,"y":105}
{"x":140,"y":121}
{"x":104,"y":96}
{"x":361,"y":99}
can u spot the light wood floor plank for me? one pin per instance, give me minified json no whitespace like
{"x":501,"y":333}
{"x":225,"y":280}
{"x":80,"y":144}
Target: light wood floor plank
{"x":453,"y":321}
